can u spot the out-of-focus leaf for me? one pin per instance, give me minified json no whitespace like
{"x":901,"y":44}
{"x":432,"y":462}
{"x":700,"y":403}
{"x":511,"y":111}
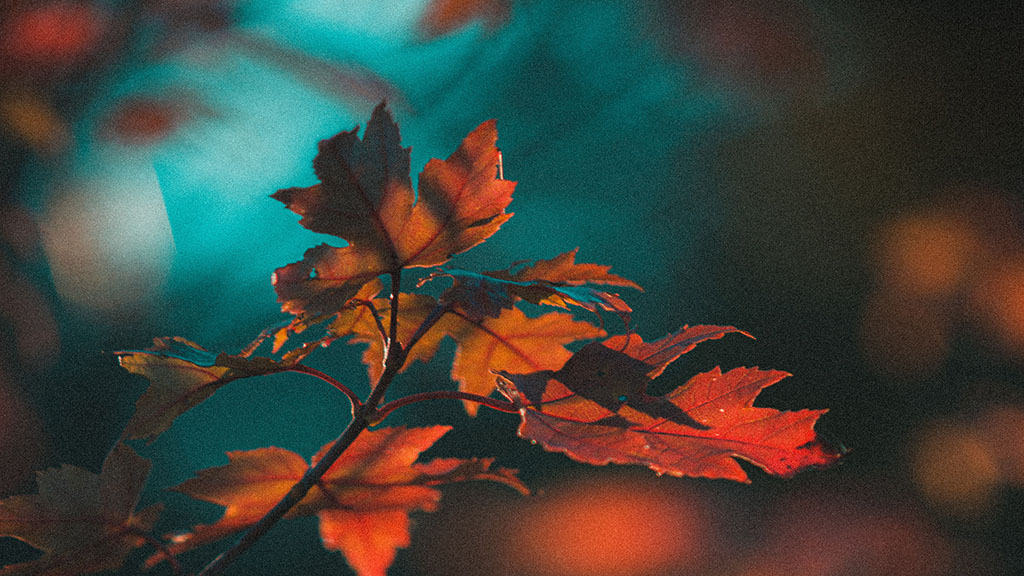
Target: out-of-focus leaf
{"x":559,"y":281}
{"x":142,"y":120}
{"x":182,"y":374}
{"x":83,"y":522}
{"x":442,"y":17}
{"x":35,"y":121}
{"x":365,"y":196}
{"x":595,"y":409}
{"x":348,"y":83}
{"x":42,"y":38}
{"x":363,"y":502}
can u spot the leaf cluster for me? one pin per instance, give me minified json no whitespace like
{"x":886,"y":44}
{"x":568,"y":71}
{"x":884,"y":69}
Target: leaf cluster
{"x":593,"y":405}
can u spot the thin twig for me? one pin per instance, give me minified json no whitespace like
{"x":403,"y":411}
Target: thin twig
{"x":162,"y":549}
{"x":500,"y":405}
{"x":396,"y":282}
{"x":302,"y":369}
{"x":380,"y":323}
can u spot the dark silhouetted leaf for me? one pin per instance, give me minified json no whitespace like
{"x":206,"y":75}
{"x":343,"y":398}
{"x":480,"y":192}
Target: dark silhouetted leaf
{"x":363,"y":502}
{"x":559,"y":281}
{"x":596,"y":409}
{"x":83,"y":522}
{"x":365,"y":196}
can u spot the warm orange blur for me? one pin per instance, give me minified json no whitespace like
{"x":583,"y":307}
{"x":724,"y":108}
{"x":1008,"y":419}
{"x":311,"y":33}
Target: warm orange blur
{"x":1002,"y":427}
{"x":961,"y":466}
{"x":52,"y":35}
{"x":604,"y":527}
{"x":927,"y":254}
{"x":998,"y":300}
{"x":954,"y":468}
{"x":956,"y":264}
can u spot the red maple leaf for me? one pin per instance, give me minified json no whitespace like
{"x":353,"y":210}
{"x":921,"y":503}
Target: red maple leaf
{"x":363,"y":502}
{"x":83,"y":522}
{"x":365,"y":196}
{"x":596,"y":409}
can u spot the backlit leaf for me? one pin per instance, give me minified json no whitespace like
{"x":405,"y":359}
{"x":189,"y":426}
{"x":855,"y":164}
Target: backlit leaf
{"x":559,"y":281}
{"x":182,"y":374}
{"x":83,"y":522}
{"x":596,"y":409}
{"x":511,"y":341}
{"x":365,"y":197}
{"x":363,"y":502}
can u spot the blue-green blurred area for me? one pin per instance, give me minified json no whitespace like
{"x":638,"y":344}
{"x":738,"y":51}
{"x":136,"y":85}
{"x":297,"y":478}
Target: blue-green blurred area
{"x":841,"y":180}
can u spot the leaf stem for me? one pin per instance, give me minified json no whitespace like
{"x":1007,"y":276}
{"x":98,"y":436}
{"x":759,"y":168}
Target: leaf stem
{"x":396,"y":286}
{"x":380,"y":322}
{"x":302,"y":369}
{"x":500,"y":405}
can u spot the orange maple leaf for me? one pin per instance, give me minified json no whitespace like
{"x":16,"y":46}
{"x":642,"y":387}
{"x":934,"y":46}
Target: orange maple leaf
{"x":596,"y":409}
{"x":365,"y":196}
{"x":511,"y":341}
{"x":83,"y":522}
{"x":363,"y":502}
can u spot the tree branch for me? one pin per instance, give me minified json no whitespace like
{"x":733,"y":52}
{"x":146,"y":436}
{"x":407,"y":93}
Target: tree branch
{"x":302,"y":369}
{"x":494,"y":403}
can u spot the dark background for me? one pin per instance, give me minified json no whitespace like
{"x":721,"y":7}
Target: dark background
{"x":842,"y":181}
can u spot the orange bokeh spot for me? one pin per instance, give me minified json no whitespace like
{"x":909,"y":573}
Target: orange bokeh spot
{"x":609,"y":528}
{"x":141,"y":121}
{"x":927,"y":254}
{"x":1002,"y":427}
{"x":54,"y":34}
{"x":954,"y":467}
{"x":999,"y":301}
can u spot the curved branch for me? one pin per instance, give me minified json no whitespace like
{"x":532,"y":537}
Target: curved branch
{"x":500,"y":405}
{"x":302,"y":369}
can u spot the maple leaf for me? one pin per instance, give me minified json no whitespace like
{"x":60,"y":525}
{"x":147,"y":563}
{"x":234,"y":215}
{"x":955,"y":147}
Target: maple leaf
{"x":365,"y":197}
{"x":83,"y":522}
{"x":363,"y":501}
{"x":595,"y":409}
{"x":510,"y":341}
{"x":559,"y":281}
{"x":442,"y":17}
{"x":182,"y":374}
